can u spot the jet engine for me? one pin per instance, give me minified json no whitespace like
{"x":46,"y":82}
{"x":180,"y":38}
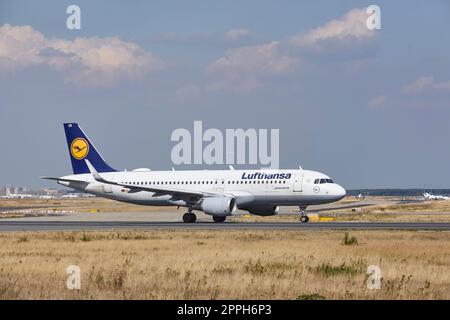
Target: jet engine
{"x":218,"y":205}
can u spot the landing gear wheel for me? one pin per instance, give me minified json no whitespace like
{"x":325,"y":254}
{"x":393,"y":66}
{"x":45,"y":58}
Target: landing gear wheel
{"x":303,"y":216}
{"x":219,"y":219}
{"x":189,"y":217}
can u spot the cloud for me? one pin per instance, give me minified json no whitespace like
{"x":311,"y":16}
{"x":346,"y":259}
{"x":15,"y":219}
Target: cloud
{"x":243,"y":68}
{"x":99,"y":61}
{"x":346,"y":39}
{"x":20,"y":47}
{"x":351,"y":26}
{"x":426,"y":84}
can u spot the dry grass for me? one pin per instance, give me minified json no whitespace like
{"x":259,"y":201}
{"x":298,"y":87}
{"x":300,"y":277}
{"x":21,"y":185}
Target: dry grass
{"x":225,"y":264}
{"x":426,"y":206}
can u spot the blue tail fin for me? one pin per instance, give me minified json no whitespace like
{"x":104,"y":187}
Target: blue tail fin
{"x":80,"y":148}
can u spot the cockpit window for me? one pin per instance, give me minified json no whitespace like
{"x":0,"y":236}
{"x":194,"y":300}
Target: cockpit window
{"x":321,"y":181}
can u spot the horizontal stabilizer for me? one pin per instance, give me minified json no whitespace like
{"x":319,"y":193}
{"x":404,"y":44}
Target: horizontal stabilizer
{"x":61,"y":179}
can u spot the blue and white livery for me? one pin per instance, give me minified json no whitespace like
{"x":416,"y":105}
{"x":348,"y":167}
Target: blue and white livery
{"x":215,"y":192}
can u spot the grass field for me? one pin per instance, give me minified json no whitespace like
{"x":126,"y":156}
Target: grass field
{"x":225,"y":264}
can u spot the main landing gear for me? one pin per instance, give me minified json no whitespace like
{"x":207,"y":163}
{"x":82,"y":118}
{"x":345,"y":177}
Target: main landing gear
{"x":303,"y":216}
{"x":219,"y":219}
{"x":189,"y":217}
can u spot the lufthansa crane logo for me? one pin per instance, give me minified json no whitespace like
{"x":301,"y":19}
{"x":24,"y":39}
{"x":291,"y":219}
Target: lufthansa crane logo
{"x":79,"y":148}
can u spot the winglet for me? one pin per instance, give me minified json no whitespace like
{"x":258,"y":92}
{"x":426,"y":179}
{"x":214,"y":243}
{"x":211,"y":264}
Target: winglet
{"x":94,"y":172}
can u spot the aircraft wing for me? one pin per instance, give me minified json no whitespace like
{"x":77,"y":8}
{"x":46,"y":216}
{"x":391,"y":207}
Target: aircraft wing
{"x":158,"y":191}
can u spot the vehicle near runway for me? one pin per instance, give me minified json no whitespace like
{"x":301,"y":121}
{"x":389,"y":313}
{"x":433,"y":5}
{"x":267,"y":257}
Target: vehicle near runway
{"x":215,"y":192}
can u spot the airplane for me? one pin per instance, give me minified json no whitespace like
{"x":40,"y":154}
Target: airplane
{"x":429,"y":196}
{"x":218,"y":193}
{"x":46,"y":197}
{"x":17,"y":195}
{"x":70,"y":195}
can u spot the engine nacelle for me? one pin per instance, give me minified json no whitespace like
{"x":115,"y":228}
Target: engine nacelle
{"x":218,"y":206}
{"x":264,"y":211}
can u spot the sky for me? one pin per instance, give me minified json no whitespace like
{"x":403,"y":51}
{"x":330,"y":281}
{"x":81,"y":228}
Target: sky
{"x":370,"y":108}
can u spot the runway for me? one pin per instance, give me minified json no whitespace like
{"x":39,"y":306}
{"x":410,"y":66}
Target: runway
{"x":24,"y":225}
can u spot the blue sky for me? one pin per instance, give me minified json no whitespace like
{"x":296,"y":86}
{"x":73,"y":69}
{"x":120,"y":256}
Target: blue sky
{"x":370,"y":108}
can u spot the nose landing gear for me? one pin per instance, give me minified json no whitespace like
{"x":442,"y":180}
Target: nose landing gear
{"x":303,"y":216}
{"x":304,"y":219}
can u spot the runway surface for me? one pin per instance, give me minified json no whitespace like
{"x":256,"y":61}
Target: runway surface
{"x":37,"y":225}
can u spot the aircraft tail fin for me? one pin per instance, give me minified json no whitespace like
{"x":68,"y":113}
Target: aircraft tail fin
{"x":81,"y":148}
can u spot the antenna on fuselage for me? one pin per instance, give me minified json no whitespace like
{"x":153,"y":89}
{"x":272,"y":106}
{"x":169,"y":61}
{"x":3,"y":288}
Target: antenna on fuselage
{"x":173,"y":169}
{"x":231,"y":167}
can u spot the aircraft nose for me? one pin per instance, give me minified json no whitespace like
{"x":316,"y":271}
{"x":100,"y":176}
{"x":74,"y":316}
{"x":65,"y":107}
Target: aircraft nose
{"x":340,"y":192}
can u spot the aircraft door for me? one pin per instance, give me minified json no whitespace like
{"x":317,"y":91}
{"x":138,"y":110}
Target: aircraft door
{"x":298,"y":182}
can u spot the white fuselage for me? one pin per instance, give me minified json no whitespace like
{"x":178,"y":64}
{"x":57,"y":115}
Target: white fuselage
{"x":249,"y":187}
